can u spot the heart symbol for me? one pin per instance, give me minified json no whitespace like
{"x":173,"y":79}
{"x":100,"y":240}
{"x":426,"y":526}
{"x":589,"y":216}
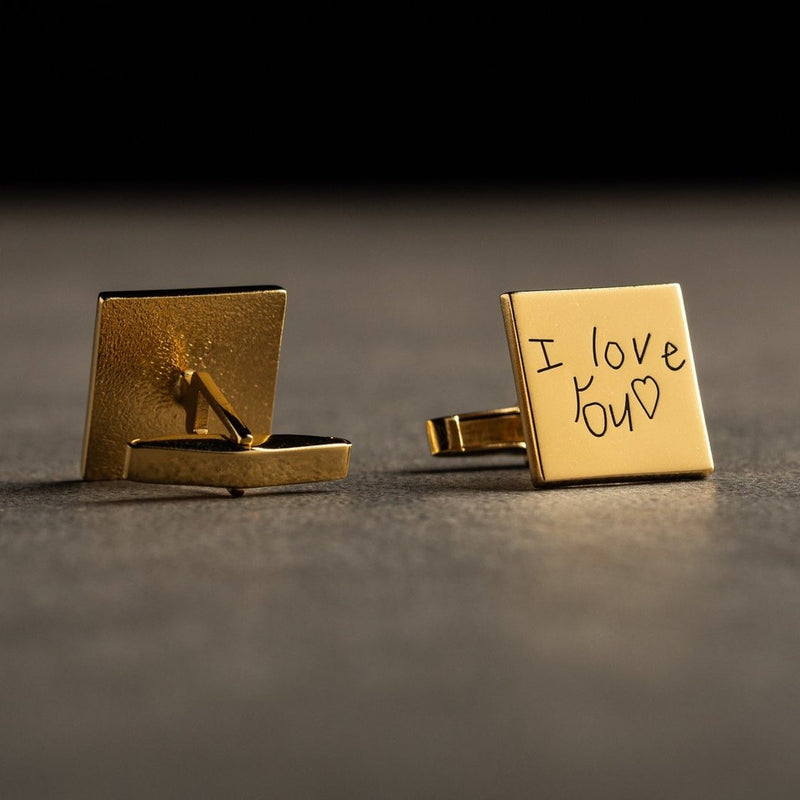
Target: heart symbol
{"x":646,"y":394}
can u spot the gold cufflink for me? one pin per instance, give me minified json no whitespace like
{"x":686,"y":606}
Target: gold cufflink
{"x":606,"y":389}
{"x":160,"y":364}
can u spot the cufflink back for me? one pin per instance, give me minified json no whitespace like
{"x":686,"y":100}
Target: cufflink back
{"x":606,"y":389}
{"x":160,"y":362}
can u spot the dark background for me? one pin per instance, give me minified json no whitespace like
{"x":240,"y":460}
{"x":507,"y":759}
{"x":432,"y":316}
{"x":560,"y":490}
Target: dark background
{"x":333,"y":101}
{"x":420,"y":629}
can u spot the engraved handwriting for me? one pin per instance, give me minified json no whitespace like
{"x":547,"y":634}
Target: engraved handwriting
{"x":640,"y":357}
{"x":670,"y":350}
{"x":620,"y":355}
{"x":542,"y":342}
{"x":595,"y":413}
{"x":646,"y":391}
{"x":578,"y":390}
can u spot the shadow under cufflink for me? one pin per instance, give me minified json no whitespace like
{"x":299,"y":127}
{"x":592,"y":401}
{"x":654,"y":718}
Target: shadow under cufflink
{"x":152,"y":392}
{"x":606,"y":390}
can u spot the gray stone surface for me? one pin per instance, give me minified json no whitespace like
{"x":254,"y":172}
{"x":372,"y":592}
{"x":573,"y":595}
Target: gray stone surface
{"x":421,"y":629}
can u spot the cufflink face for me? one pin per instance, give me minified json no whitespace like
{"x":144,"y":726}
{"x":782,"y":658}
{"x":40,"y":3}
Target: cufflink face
{"x":163,"y":360}
{"x":606,"y":384}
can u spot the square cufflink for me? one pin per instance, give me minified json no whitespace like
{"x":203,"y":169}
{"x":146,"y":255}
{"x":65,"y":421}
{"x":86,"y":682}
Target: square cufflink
{"x":606,"y":389}
{"x":160,"y":364}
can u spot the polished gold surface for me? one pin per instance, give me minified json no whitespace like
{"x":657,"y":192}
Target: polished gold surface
{"x":606,"y":387}
{"x":606,"y":384}
{"x":215,"y":460}
{"x":161,"y":361}
{"x":477,"y":433}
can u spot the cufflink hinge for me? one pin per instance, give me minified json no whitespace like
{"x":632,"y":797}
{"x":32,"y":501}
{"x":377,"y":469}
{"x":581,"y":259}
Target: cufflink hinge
{"x":147,"y":345}
{"x":477,"y":433}
{"x":198,"y":392}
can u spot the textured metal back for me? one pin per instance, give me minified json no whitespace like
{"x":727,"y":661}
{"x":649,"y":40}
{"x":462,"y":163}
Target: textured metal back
{"x":144,"y":341}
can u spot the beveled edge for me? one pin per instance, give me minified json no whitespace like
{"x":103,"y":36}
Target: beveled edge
{"x":213,"y":460}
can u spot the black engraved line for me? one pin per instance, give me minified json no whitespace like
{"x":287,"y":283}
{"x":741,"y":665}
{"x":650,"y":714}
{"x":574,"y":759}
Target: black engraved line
{"x":626,"y":412}
{"x":546,"y":357}
{"x":666,"y":356}
{"x":640,"y":357}
{"x":644,"y":381}
{"x":621,"y":352}
{"x":589,"y":427}
{"x":578,"y":390}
